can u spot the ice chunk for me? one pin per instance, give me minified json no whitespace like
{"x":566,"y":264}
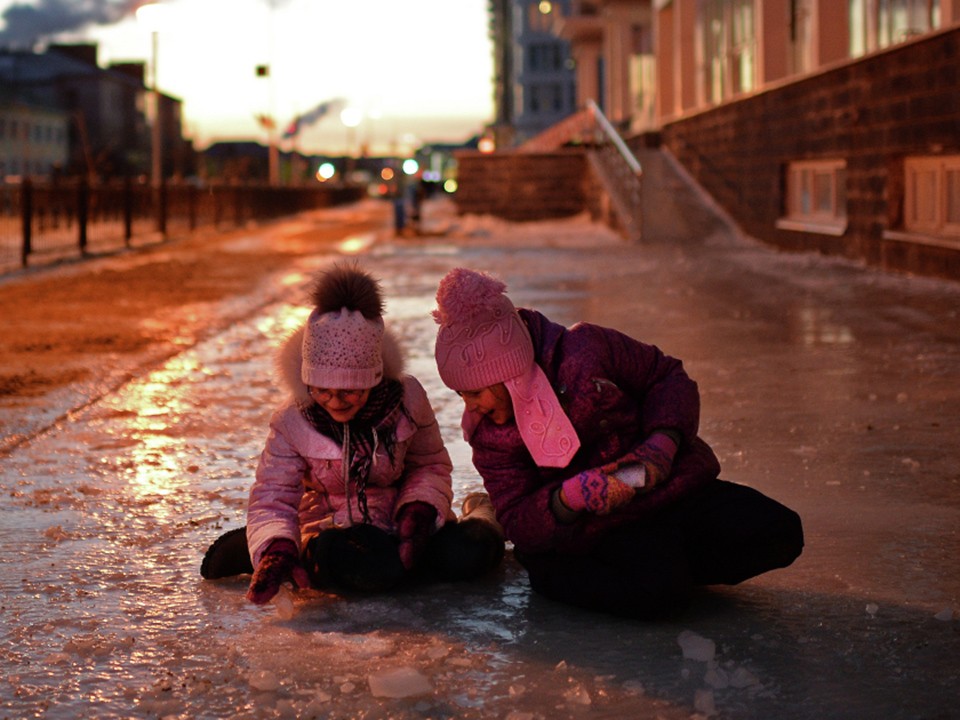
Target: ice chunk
{"x":284,"y":604}
{"x":399,"y":683}
{"x":263,"y":680}
{"x":717,"y":678}
{"x":355,"y":647}
{"x":577,"y":695}
{"x":946,"y":614}
{"x":703,"y":702}
{"x":742,"y":678}
{"x":872,"y":609}
{"x":56,"y":533}
{"x":635,"y":687}
{"x":437,"y":652}
{"x":696,"y":647}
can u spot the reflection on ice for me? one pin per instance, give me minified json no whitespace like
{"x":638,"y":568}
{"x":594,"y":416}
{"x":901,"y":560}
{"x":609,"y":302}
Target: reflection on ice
{"x":819,"y":328}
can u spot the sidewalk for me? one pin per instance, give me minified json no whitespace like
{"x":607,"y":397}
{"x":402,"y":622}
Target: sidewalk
{"x":832,"y":388}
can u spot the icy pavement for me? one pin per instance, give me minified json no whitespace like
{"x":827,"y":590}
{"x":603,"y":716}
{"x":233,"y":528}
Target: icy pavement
{"x":832,"y":388}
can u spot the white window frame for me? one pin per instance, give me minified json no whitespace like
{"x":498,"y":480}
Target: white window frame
{"x":727,"y":42}
{"x":876,"y":24}
{"x":816,"y":197}
{"x":928,"y":182}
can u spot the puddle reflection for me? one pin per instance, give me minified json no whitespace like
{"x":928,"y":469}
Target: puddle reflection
{"x":818,"y":328}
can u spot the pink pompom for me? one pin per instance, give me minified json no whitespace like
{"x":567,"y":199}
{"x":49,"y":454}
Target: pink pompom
{"x":464,"y":294}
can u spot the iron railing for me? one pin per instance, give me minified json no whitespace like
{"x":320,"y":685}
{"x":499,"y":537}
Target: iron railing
{"x":41,"y":222}
{"x":620,"y":173}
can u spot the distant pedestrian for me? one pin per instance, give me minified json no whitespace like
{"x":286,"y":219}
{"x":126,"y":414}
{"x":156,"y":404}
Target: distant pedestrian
{"x":586,"y":440}
{"x":353,"y":489}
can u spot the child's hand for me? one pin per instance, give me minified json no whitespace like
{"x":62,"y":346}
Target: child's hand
{"x":595,"y":491}
{"x":279,"y":563}
{"x":415,"y":524}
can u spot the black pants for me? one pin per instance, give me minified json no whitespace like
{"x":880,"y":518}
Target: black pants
{"x":365,"y":558}
{"x":722,"y":535}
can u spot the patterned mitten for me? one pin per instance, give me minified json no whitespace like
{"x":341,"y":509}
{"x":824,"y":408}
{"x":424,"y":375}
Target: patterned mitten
{"x":595,"y":491}
{"x":415,"y":524}
{"x":279,"y":563}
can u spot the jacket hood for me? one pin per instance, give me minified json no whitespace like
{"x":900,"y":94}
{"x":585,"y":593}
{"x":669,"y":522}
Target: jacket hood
{"x":290,"y":358}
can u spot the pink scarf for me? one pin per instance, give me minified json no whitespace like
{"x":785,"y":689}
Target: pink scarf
{"x":545,"y":429}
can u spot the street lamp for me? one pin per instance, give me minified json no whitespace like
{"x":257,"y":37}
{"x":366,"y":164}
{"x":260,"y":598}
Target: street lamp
{"x":149,"y":15}
{"x":351,"y":117}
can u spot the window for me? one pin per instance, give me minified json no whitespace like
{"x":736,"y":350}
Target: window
{"x":802,"y":35}
{"x":932,"y":195}
{"x":728,"y":44}
{"x":876,"y":24}
{"x":816,"y":199}
{"x":544,"y":57}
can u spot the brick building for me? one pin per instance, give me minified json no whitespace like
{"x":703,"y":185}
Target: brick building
{"x":816,"y":124}
{"x":821,"y":125}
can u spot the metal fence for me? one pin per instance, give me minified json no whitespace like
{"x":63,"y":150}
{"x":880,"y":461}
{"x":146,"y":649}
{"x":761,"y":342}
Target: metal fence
{"x":45,"y":222}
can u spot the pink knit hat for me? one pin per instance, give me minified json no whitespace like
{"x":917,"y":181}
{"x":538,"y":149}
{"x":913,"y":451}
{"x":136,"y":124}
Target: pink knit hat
{"x":483,"y":341}
{"x":342,"y":340}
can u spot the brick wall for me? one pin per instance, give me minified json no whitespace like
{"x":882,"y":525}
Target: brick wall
{"x":522,"y":186}
{"x":873,"y":113}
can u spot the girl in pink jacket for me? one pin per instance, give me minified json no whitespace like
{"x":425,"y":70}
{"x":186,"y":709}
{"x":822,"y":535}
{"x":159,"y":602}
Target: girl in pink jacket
{"x":353,"y":487}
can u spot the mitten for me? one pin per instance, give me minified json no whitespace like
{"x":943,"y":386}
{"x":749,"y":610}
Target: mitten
{"x":279,"y":563}
{"x":415,"y":525}
{"x":655,"y":455}
{"x":595,"y":491}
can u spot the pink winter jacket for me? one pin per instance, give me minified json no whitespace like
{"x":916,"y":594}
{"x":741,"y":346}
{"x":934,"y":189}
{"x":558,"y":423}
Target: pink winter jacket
{"x":299,"y":488}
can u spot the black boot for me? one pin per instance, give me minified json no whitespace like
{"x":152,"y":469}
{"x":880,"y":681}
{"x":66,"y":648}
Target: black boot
{"x":228,"y":556}
{"x":471,"y":547}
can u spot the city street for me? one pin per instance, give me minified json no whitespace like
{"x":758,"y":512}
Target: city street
{"x":833,"y":388}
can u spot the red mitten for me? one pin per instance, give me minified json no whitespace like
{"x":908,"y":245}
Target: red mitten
{"x":279,"y":563}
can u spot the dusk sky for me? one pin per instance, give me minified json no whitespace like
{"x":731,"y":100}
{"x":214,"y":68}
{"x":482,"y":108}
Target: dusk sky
{"x":409,"y":71}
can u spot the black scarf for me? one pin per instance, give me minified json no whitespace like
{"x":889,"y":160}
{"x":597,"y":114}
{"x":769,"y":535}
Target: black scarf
{"x":365,"y":430}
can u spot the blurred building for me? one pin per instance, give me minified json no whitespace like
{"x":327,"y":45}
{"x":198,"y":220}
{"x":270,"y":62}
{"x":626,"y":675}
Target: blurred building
{"x":612,"y":45}
{"x":821,"y":125}
{"x":815,"y":124}
{"x":33,"y":140}
{"x":107,"y":130}
{"x":534,"y":84}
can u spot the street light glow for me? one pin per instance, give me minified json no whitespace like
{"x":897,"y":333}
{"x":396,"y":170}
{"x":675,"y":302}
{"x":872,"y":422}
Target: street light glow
{"x":151,"y":16}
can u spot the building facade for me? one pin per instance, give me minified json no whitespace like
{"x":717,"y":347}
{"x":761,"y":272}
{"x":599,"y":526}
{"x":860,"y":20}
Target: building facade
{"x":33,"y":141}
{"x":612,"y":45}
{"x":101,"y":110}
{"x":821,"y":125}
{"x":534,"y":84}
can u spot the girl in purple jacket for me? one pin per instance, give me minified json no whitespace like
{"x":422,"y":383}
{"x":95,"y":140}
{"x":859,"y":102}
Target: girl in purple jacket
{"x":353,"y":487}
{"x":586,"y":440}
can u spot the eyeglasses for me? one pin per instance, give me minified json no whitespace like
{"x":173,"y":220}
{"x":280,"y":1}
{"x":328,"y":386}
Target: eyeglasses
{"x":324,"y":395}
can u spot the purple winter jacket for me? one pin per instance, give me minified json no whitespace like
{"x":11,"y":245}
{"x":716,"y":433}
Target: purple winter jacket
{"x":616,"y":392}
